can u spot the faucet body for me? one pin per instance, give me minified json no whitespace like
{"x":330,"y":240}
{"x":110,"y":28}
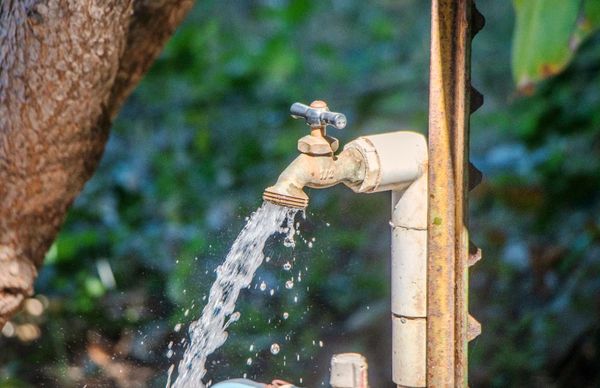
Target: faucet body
{"x":317,"y":172}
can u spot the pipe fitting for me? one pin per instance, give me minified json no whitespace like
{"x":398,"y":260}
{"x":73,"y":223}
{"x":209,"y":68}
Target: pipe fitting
{"x":392,"y":160}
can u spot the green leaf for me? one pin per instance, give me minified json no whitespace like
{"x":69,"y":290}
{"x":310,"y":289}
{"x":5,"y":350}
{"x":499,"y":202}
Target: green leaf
{"x":542,"y":40}
{"x":547,"y":35}
{"x":589,"y":21}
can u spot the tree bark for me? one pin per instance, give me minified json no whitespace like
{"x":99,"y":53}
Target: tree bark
{"x":66,"y":67}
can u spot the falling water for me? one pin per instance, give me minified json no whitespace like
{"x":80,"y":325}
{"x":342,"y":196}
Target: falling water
{"x":245,"y":256}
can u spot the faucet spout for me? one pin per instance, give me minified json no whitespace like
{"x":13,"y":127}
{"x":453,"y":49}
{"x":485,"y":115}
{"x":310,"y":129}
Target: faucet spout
{"x":315,"y":171}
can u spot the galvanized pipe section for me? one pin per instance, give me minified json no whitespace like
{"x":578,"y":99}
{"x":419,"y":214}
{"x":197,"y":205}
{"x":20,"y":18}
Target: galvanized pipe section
{"x":448,"y":236}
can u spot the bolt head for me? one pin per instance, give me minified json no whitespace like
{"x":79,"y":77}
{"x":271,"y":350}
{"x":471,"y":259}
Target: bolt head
{"x":318,"y":145}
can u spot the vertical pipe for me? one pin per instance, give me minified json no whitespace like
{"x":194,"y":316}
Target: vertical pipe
{"x":441,"y":254}
{"x":448,"y":160}
{"x":447,"y":241}
{"x":349,"y":370}
{"x":397,"y":161}
{"x":409,"y":284}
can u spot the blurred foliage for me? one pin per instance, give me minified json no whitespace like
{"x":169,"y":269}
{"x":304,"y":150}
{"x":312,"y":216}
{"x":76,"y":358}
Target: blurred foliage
{"x":547,"y":34}
{"x":208,"y":129}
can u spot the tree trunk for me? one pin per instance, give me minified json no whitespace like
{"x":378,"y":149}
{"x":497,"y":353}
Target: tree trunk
{"x":65,"y":69}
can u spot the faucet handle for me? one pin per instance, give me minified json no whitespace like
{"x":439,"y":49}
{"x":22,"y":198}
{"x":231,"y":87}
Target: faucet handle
{"x":318,"y":115}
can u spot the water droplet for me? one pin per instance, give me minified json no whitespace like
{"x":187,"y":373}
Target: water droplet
{"x":169,"y":353}
{"x":185,"y":314}
{"x":326,"y":224}
{"x":285,"y":315}
{"x":177,"y":327}
{"x":248,"y":361}
{"x":267,"y":259}
{"x":272,"y":292}
{"x":320,"y":344}
{"x":275,"y":348}
{"x":263,"y":286}
{"x":289,"y":284}
{"x":289,"y":242}
{"x":287,"y":266}
{"x":251,"y":347}
{"x":232,"y":318}
{"x":310,"y":244}
{"x":295,"y":299}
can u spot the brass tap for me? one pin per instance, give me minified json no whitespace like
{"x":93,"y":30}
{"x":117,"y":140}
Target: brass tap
{"x":317,"y":166}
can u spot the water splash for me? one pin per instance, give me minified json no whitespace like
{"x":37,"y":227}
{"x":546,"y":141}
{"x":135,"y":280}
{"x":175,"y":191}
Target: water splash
{"x":245,"y":256}
{"x":275,"y":348}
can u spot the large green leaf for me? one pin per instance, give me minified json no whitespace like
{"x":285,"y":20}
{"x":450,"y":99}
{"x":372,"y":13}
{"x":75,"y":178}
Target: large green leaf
{"x":547,"y":34}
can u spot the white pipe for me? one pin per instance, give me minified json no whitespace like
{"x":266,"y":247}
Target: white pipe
{"x":409,"y":284}
{"x":349,"y":370}
{"x":397,"y":161}
{"x":393,"y":160}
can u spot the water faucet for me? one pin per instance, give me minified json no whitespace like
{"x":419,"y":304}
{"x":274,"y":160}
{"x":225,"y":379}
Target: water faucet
{"x":393,"y":161}
{"x":317,"y":166}
{"x":389,"y":161}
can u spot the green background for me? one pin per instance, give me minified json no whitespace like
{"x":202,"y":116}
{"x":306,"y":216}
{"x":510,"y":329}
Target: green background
{"x":208,"y":129}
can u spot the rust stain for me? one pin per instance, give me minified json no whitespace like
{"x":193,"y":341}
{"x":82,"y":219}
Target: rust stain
{"x":549,"y":69}
{"x":449,"y":110}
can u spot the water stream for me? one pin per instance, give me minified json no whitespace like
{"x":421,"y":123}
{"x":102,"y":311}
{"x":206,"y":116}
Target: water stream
{"x":245,"y":256}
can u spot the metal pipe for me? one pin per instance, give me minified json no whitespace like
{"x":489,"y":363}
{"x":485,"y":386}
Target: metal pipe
{"x":448,"y":237}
